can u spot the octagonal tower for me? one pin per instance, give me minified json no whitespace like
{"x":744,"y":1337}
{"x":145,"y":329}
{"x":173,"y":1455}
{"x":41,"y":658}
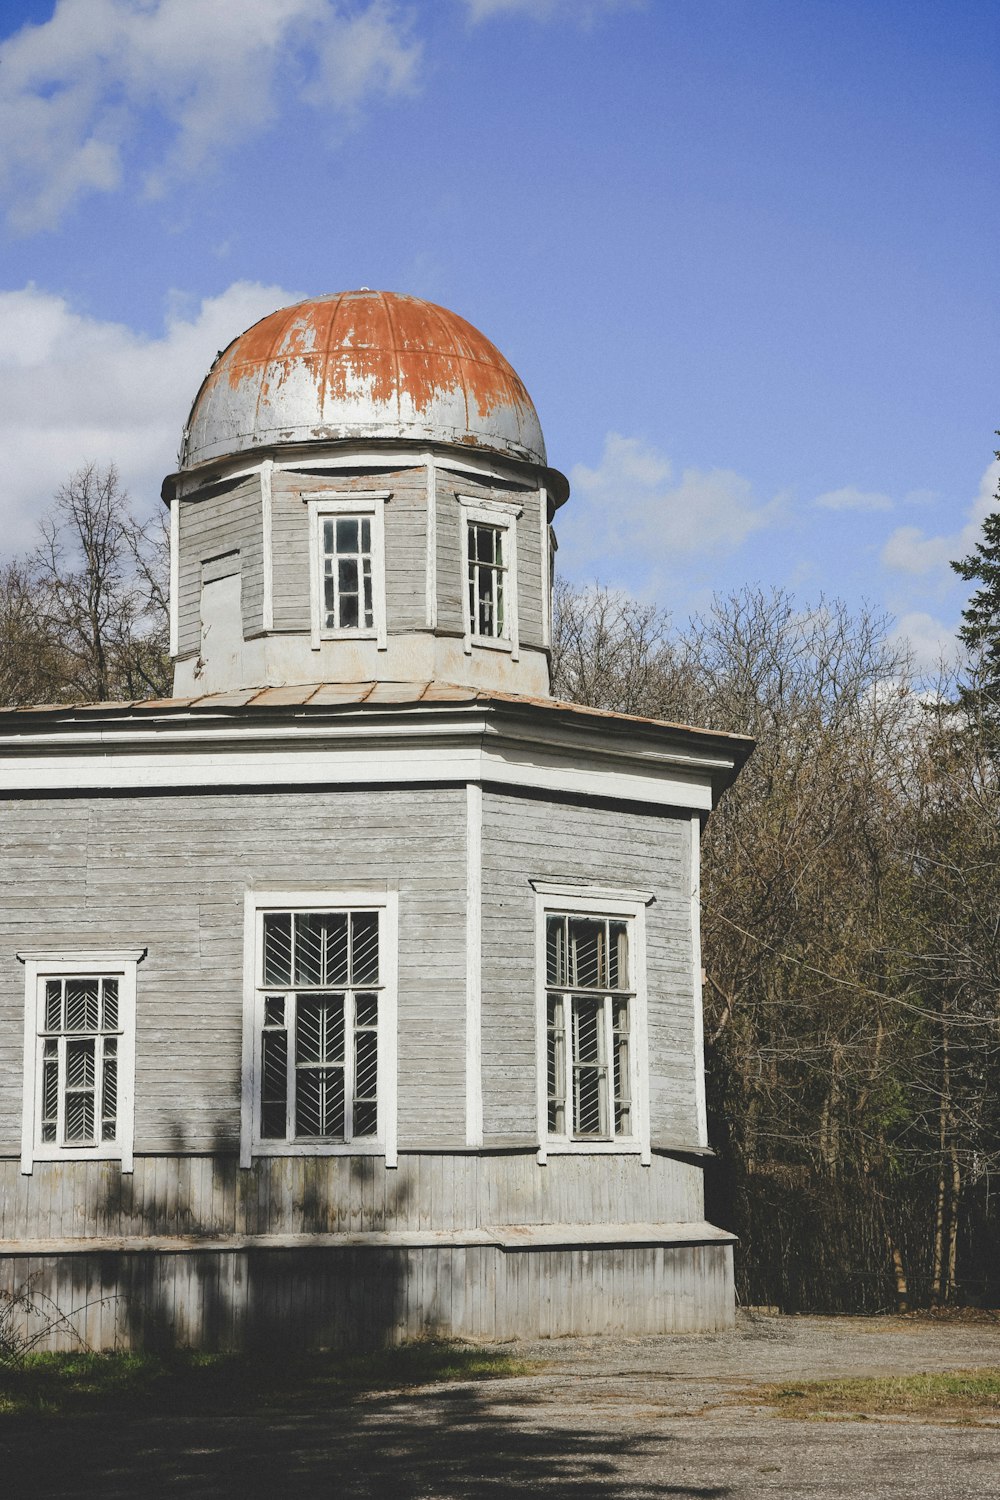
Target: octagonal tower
{"x":363,"y":496}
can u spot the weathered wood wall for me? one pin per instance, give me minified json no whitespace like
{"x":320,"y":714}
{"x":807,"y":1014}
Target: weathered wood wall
{"x":371,"y":1297}
{"x":169,"y":873}
{"x":221,"y":520}
{"x":524,"y":837}
{"x":212,"y":1196}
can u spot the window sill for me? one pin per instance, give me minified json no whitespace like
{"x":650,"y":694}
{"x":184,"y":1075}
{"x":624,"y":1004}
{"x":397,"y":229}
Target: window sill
{"x":80,"y":1153}
{"x":318,"y":1148}
{"x":592,"y":1148}
{"x":491,"y":643}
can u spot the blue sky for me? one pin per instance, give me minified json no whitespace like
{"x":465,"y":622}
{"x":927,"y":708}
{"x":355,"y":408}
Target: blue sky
{"x":742,"y":252}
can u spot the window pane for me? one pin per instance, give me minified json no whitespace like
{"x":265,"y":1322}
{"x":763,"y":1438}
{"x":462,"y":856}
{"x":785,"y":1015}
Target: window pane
{"x":366,"y":1010}
{"x":364,"y":947}
{"x":81,"y":1005}
{"x":110,"y":1005}
{"x":80,"y":1064}
{"x":366,"y":535}
{"x":320,"y":1029}
{"x":347,"y":575}
{"x":109,"y":1091}
{"x":349,"y":614}
{"x":53,"y":1005}
{"x":319,"y":1102}
{"x":623,"y":1091}
{"x":50,"y":1090}
{"x":366,"y":1083}
{"x":618,"y":956}
{"x":79,"y":1104}
{"x":555,"y":951}
{"x":587,"y":953}
{"x":589,"y":1069}
{"x":274,"y":1010}
{"x":278,"y":948}
{"x":320,"y":947}
{"x":328,"y":533}
{"x":273,"y":1085}
{"x":347,"y":535}
{"x":556,"y":1066}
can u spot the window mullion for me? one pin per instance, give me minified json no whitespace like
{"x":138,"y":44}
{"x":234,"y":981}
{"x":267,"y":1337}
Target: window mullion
{"x":291,"y":1061}
{"x":609,"y":1065}
{"x":350,"y":1016}
{"x":61,"y":1096}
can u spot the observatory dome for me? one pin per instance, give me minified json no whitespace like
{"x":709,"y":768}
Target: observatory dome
{"x":362,"y":365}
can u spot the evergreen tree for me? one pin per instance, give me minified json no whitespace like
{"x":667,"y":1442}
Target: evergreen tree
{"x":980,"y":631}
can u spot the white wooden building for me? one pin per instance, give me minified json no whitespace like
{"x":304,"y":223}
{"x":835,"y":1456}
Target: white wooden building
{"x":353,"y":992}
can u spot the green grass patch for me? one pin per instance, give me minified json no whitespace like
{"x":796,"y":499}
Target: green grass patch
{"x":963,"y":1396}
{"x":183,"y":1380}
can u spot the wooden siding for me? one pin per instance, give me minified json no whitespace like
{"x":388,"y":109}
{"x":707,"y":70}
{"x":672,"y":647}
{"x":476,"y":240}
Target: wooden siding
{"x":405,"y":543}
{"x":529,"y":837}
{"x":168,"y":873}
{"x":369,"y":1298}
{"x":221,"y":521}
{"x":211,"y":1196}
{"x":451,"y":616}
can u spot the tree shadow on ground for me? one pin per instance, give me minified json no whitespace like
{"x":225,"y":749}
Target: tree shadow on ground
{"x":456,"y":1443}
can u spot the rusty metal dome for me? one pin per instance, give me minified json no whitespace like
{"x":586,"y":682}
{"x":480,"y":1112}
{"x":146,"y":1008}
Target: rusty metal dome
{"x":362,"y":365}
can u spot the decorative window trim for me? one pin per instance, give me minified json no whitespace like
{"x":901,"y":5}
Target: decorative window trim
{"x":120,"y":964}
{"x":320,"y":505}
{"x":504,"y":515}
{"x":597,"y":901}
{"x":256,"y":904}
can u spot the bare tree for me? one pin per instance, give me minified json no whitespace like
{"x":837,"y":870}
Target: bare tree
{"x":101,"y":578}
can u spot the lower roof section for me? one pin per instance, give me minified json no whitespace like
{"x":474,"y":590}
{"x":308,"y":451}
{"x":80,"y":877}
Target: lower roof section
{"x":388,"y":733}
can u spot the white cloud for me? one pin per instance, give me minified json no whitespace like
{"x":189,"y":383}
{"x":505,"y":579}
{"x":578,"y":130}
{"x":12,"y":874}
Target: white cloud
{"x":582,"y":11}
{"x":73,"y":388}
{"x":909,"y":550}
{"x":77,"y":91}
{"x":627,"y":513}
{"x":930,"y":641}
{"x":851,"y":498}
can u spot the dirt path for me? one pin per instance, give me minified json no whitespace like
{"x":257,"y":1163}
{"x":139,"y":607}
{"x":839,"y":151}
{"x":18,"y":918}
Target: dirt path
{"x":594,"y":1420}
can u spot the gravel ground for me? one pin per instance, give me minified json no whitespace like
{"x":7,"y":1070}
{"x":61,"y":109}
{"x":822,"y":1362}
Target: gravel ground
{"x":593,"y":1420}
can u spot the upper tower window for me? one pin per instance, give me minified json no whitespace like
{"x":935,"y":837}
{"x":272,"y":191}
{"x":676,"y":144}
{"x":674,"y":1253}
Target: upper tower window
{"x":489,"y":560}
{"x":347,"y":573}
{"x":347,"y":565}
{"x":487,"y":580}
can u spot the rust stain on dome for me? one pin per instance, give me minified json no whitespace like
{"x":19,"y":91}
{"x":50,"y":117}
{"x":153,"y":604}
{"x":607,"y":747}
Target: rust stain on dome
{"x":376,"y":348}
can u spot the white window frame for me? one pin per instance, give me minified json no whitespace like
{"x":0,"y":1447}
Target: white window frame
{"x":364,"y":504}
{"x":257,"y":904}
{"x":554,"y":898}
{"x":503,"y":515}
{"x":95,"y":964}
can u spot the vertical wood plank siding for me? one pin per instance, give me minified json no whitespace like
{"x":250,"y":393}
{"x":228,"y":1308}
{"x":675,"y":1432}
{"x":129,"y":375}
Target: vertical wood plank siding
{"x":220,"y":521}
{"x":526,"y":837}
{"x":405,"y":543}
{"x":369,"y":1298}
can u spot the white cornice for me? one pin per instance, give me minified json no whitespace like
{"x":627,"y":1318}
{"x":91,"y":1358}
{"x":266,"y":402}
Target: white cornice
{"x":479,"y":742}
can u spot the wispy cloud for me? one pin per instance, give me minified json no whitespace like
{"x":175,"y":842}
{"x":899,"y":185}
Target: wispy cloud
{"x":158,"y":88}
{"x":631,"y":514}
{"x":851,"y":498}
{"x":911,"y":551}
{"x":74,"y":388}
{"x":584,"y":12}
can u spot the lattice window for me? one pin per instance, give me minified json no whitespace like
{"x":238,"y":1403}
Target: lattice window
{"x":348,"y":583}
{"x":589,"y":1062}
{"x":320,"y":988}
{"x":79,"y":1056}
{"x":487,"y":580}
